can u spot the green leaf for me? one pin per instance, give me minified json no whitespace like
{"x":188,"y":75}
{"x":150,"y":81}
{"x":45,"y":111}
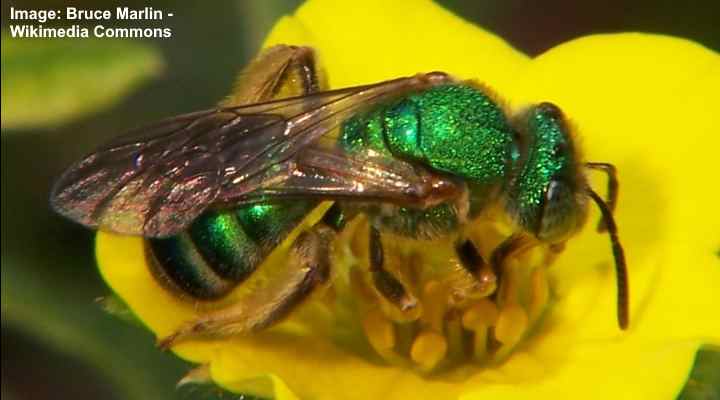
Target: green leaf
{"x":49,"y":82}
{"x":43,"y":309}
{"x":704,"y":380}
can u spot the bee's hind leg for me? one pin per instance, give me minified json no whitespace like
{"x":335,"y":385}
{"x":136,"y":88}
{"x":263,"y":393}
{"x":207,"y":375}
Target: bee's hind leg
{"x":277,"y":72}
{"x":308,"y":268}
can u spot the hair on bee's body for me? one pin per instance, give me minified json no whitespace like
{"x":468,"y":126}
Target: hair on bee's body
{"x":421,"y":157}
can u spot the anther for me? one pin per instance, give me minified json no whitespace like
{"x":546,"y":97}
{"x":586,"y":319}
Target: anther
{"x":539,"y":294}
{"x":434,"y":300}
{"x":435,"y":320}
{"x":511,"y":324}
{"x":428,"y":349}
{"x":380,"y":332}
{"x":482,"y":314}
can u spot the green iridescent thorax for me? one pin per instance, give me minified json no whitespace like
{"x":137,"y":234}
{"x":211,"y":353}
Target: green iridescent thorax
{"x":546,"y":195}
{"x":456,"y":129}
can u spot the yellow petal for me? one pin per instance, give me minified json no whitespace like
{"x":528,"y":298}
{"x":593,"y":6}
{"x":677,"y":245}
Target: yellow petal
{"x":617,"y":370}
{"x":643,"y":102}
{"x":371,"y":41}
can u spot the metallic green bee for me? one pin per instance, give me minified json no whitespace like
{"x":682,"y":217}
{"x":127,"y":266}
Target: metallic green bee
{"x":214,"y":192}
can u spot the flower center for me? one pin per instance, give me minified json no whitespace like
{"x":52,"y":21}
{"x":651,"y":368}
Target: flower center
{"x":446,"y":322}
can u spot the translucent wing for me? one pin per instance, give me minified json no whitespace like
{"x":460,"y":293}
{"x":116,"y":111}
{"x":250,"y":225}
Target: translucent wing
{"x":156,"y":181}
{"x":330,"y":172}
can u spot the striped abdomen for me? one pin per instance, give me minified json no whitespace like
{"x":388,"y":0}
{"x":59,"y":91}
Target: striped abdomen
{"x":222,"y":248}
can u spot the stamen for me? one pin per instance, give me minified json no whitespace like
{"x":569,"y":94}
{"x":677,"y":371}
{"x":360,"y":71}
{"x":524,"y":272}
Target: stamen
{"x":511,"y":327}
{"x":435,"y":297}
{"x":481,"y":343}
{"x":446,"y":324}
{"x":428,"y":349}
{"x":456,"y":337}
{"x":483,"y":313}
{"x":380,"y":332}
{"x":479,"y":319}
{"x":539,"y":294}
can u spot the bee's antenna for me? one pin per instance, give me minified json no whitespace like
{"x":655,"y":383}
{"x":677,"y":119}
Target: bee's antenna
{"x":623,"y":313}
{"x":612,"y":188}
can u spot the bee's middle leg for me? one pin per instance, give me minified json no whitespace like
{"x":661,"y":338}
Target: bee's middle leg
{"x":308,"y":268}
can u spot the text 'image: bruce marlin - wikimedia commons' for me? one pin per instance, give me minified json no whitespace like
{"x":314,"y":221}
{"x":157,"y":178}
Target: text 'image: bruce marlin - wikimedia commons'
{"x":72,"y":22}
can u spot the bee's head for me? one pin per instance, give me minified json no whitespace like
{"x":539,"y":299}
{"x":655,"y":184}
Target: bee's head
{"x":547,"y":194}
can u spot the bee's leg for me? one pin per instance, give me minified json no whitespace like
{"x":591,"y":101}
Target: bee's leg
{"x":515,"y":318}
{"x":483,"y":281}
{"x":386,"y":284}
{"x":278,"y":72}
{"x":308,"y":268}
{"x":513,"y":245}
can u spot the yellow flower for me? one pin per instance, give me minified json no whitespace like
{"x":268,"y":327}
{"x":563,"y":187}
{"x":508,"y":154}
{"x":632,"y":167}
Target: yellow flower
{"x":646,"y":103}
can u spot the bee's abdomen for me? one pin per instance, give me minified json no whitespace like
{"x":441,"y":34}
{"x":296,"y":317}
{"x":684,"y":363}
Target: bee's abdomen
{"x":222,"y":248}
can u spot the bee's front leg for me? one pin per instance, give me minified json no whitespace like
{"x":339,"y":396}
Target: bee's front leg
{"x":481,"y":277}
{"x":388,"y":285}
{"x":510,"y":247}
{"x":308,"y":268}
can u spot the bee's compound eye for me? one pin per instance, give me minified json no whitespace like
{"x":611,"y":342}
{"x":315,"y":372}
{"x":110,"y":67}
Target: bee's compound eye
{"x":550,"y":109}
{"x":557,"y":190}
{"x":559,"y":148}
{"x":559,"y":214}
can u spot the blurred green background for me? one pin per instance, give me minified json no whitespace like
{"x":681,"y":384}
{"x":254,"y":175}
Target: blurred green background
{"x":62,"y":98}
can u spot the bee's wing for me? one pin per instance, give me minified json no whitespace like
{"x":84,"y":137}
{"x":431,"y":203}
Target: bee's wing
{"x":156,"y":182}
{"x":329,"y":172}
